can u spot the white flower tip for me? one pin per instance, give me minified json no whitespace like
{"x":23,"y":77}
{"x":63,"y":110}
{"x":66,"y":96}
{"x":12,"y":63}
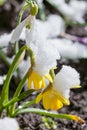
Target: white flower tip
{"x":15,"y":35}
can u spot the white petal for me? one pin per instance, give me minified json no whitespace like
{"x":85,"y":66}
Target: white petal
{"x":66,"y":79}
{"x":18,"y":30}
{"x":45,"y":57}
{"x":32,"y":33}
{"x":44,"y":30}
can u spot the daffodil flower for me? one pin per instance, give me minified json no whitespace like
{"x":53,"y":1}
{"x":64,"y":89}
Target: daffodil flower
{"x":45,"y":57}
{"x":36,"y":81}
{"x":50,"y":99}
{"x":27,"y":23}
{"x":57,"y":94}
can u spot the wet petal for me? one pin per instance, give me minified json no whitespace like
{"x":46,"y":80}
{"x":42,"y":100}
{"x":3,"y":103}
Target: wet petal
{"x":46,"y":101}
{"x":56,"y":104}
{"x":18,"y":30}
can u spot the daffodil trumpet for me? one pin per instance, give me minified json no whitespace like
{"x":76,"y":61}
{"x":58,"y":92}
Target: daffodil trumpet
{"x":36,"y":81}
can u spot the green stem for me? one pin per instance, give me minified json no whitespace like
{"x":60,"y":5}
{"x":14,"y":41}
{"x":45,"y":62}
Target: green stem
{"x":18,"y":22}
{"x":25,"y":7}
{"x":24,"y":105}
{"x":31,"y":54}
{"x":16,"y":47}
{"x":5,"y":90}
{"x":52,"y":73}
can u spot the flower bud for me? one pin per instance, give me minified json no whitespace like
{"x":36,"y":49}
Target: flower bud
{"x":34,"y":9}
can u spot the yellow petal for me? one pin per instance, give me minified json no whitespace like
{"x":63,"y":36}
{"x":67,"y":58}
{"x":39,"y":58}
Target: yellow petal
{"x":38,"y":81}
{"x":43,"y":83}
{"x":29,"y":83}
{"x":35,"y":84}
{"x":50,"y":100}
{"x":61,"y":98}
{"x":46,"y":101}
{"x":38,"y":98}
{"x":78,"y":86}
{"x":56,"y":104}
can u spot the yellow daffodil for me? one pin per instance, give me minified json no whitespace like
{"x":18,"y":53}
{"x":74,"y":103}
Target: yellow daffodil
{"x":36,"y":81}
{"x":51,"y":99}
{"x":57,"y":94}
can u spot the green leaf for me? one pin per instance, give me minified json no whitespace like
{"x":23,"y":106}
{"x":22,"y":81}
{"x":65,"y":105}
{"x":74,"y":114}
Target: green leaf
{"x":18,"y":98}
{"x":25,"y":105}
{"x":21,"y":85}
{"x":15,"y":63}
{"x":50,"y":114}
{"x":4,"y":58}
{"x":49,"y":123}
{"x":18,"y":91}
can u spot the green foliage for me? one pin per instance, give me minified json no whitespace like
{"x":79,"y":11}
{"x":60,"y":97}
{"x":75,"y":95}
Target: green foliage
{"x":49,"y":123}
{"x":2,"y":2}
